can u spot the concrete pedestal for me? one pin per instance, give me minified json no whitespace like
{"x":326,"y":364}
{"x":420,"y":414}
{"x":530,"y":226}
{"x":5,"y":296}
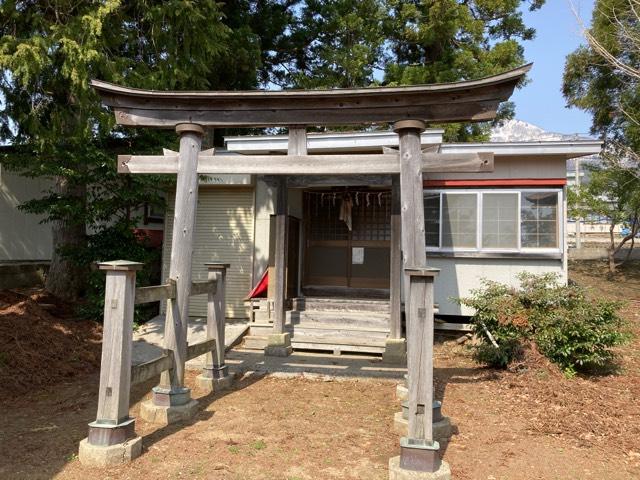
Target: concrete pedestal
{"x":278,"y":345}
{"x":402,"y":393}
{"x":395,"y":351}
{"x":168,"y":406}
{"x":210,"y":385}
{"x":442,"y":429}
{"x":106,"y":456}
{"x":397,"y":473}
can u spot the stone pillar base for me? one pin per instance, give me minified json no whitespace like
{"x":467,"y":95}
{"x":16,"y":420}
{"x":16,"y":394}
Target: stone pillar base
{"x":111,"y":455}
{"x":402,"y":393}
{"x":442,"y":429}
{"x":397,"y":473}
{"x":167,"y":414}
{"x":278,"y":345}
{"x":210,"y":385}
{"x":395,"y":351}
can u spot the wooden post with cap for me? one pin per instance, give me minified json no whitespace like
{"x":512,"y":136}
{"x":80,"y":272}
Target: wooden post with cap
{"x":215,"y":373}
{"x":112,"y":438}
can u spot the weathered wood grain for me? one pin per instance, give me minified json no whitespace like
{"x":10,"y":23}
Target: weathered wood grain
{"x":115,"y":374}
{"x":395,"y":270}
{"x":303,"y":164}
{"x":216,"y":313}
{"x":146,"y":371}
{"x":297,"y":147}
{"x":205,"y":287}
{"x":418,"y":306}
{"x":461,"y":101}
{"x":175,"y":336}
{"x":155,"y":293}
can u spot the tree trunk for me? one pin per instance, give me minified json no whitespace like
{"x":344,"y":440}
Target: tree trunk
{"x":66,"y":279}
{"x":612,"y":250}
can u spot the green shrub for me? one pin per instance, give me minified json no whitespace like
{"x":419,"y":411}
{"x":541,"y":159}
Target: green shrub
{"x":114,"y":242}
{"x":569,"y":328}
{"x":499,"y":318}
{"x":581,"y":337}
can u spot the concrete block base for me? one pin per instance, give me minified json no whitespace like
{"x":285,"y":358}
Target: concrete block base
{"x":278,"y":345}
{"x":402,"y":393}
{"x":395,"y":351}
{"x":397,"y":473}
{"x":165,"y":415}
{"x":442,"y":429}
{"x":101,"y":456}
{"x":210,"y":385}
{"x":272,"y":351}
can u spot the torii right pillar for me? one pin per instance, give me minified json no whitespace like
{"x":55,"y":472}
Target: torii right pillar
{"x":419,"y":454}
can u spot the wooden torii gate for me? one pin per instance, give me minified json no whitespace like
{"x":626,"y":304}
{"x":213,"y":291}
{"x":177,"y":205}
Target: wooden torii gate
{"x":408,"y":109}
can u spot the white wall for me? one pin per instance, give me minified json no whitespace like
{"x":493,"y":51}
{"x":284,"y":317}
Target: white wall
{"x":458,"y":276}
{"x":513,"y":167}
{"x":22,"y":237}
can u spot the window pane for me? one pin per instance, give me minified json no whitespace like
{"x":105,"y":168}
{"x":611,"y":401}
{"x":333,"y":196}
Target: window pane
{"x":459,"y":220}
{"x":539,"y":220}
{"x":500,"y":220}
{"x":432,"y":219}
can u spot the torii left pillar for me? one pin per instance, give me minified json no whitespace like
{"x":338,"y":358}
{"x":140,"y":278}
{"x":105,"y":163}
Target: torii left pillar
{"x":171,"y":401}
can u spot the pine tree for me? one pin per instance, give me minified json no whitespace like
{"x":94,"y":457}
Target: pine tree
{"x":347,"y":43}
{"x":434,"y":41}
{"x":49,"y":51}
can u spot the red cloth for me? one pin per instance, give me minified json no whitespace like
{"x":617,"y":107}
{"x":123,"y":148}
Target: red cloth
{"x":260,"y":290}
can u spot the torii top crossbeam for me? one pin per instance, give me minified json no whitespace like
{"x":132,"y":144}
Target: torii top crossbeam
{"x":475,"y":100}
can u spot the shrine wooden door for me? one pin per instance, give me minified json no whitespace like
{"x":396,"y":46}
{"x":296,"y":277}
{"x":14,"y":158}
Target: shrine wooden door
{"x":347,"y":238}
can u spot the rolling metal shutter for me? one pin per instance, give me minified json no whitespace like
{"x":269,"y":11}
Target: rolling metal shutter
{"x":224,"y":233}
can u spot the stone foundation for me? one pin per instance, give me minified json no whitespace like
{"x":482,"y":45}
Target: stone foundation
{"x":210,"y":385}
{"x":397,"y":473}
{"x":402,"y":393}
{"x":442,"y":429}
{"x":111,"y":455}
{"x":278,"y":345}
{"x":167,"y":414}
{"x":395,"y":351}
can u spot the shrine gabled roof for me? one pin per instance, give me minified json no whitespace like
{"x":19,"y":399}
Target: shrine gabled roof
{"x":471,"y":100}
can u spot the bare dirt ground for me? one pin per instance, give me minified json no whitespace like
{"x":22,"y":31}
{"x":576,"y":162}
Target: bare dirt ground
{"x":527,"y":423}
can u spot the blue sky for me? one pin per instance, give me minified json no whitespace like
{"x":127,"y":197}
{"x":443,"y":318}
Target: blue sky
{"x":558,"y":34}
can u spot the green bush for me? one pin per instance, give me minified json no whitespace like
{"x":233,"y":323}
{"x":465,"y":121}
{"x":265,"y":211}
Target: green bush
{"x":581,"y":337}
{"x":114,"y":242}
{"x":501,"y":318}
{"x":569,"y":328}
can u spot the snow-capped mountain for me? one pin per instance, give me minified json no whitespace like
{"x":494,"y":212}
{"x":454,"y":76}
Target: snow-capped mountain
{"x":520,"y":131}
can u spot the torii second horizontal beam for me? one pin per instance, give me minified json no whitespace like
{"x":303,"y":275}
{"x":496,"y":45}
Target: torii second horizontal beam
{"x":372,"y":164}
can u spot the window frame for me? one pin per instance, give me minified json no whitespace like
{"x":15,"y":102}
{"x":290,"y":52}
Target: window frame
{"x":479,"y":192}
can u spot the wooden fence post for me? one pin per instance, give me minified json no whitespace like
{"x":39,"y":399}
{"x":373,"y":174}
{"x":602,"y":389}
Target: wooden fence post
{"x":418,"y":450}
{"x":215,"y":374}
{"x":112,"y":438}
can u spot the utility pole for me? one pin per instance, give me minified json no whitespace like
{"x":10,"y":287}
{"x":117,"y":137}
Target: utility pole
{"x":578,"y":219}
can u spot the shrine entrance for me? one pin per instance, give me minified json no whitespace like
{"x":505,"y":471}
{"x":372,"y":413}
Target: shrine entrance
{"x":347,"y":240}
{"x":112,"y":437}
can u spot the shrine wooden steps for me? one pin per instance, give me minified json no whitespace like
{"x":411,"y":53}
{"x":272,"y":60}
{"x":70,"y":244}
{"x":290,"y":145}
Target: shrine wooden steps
{"x":337,"y":325}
